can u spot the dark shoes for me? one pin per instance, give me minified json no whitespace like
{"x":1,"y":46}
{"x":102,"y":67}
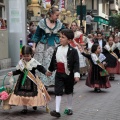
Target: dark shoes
{"x":98,"y":90}
{"x":34,"y":108}
{"x":55,"y":114}
{"x":111,"y":78}
{"x":24,"y":111}
{"x":68,"y":112}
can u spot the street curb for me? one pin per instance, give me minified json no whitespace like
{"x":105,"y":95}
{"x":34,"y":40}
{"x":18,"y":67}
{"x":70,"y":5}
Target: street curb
{"x":5,"y":71}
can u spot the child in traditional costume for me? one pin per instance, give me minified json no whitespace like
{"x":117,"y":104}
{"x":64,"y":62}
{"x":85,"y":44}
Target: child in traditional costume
{"x":78,"y":37}
{"x":111,"y":52}
{"x":116,"y":40}
{"x":29,"y":90}
{"x":65,"y":61}
{"x":97,"y":76}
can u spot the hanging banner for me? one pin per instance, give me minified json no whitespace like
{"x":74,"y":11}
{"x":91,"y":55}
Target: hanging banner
{"x":61,"y":4}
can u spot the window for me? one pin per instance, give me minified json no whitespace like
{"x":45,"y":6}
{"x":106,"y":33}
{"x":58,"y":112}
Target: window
{"x":89,"y":5}
{"x":95,"y":4}
{"x":103,"y":6}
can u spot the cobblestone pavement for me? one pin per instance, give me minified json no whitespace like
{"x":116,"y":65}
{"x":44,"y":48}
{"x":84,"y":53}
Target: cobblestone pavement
{"x":87,"y":105}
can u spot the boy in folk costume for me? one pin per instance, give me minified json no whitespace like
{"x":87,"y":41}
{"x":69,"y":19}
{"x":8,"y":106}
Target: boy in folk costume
{"x":65,"y":61}
{"x":28,"y":91}
{"x":112,"y":54}
{"x":97,"y":76}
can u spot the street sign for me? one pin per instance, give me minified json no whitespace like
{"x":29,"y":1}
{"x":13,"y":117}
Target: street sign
{"x":83,"y":10}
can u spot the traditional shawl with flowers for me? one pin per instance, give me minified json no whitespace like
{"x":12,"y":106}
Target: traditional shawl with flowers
{"x":25,"y":67}
{"x":111,"y":49}
{"x":98,"y":61}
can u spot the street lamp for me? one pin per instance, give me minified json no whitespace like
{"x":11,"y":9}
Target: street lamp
{"x":81,"y":16}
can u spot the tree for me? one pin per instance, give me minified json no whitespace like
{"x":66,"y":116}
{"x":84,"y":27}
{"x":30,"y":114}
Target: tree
{"x":115,"y":21}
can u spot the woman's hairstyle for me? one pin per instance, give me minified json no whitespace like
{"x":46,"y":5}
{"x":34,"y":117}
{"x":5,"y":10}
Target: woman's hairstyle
{"x":68,"y":33}
{"x":52,"y":10}
{"x":27,"y":50}
{"x":74,"y":22}
{"x":31,"y":23}
{"x":94,"y":48}
{"x":111,"y":36}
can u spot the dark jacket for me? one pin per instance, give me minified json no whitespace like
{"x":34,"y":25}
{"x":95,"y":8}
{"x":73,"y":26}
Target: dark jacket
{"x":72,"y":60}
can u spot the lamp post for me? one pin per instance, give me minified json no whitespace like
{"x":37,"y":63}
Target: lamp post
{"x":81,"y":16}
{"x":81,"y":13}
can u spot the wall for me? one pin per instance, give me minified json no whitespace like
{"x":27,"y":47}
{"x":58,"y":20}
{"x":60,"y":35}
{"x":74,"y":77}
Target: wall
{"x":3,"y":44}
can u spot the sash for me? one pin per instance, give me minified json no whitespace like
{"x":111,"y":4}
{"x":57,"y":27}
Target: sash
{"x":36,"y":80}
{"x":107,"y":47}
{"x":98,"y":61}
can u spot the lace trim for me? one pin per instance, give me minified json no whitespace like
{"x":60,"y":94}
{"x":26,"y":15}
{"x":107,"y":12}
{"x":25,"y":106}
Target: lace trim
{"x":29,"y":65}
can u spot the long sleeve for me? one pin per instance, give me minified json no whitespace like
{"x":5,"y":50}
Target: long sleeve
{"x":76,"y":61}
{"x":17,"y":72}
{"x":51,"y":66}
{"x":86,"y":55}
{"x":76,"y":64}
{"x":41,"y":69}
{"x":38,"y":34}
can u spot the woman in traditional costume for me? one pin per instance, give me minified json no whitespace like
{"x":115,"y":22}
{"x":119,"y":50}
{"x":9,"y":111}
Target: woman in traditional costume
{"x":45,"y":39}
{"x":78,"y":38}
{"x":111,"y":52}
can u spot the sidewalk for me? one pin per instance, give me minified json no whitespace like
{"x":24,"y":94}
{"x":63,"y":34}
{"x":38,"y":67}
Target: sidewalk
{"x":87,"y":105}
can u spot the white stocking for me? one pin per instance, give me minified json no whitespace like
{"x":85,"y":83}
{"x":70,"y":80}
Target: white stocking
{"x":58,"y":102}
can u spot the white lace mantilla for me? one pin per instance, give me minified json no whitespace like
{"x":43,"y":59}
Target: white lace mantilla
{"x":108,"y":47}
{"x":29,"y":65}
{"x":96,"y":58}
{"x":43,"y":26}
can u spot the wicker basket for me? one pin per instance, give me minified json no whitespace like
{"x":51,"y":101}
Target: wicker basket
{"x":6,"y":106}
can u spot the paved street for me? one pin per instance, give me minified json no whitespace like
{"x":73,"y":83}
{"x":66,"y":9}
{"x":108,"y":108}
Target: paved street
{"x":87,"y":105}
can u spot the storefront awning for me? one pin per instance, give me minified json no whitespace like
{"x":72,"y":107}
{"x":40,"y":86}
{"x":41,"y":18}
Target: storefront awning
{"x":101,"y":20}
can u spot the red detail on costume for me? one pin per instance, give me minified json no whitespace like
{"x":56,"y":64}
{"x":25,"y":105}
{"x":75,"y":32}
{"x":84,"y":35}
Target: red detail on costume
{"x":60,"y":67}
{"x":72,"y":43}
{"x":80,"y":39}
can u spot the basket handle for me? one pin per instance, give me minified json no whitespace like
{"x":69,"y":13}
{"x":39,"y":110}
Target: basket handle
{"x":5,"y":78}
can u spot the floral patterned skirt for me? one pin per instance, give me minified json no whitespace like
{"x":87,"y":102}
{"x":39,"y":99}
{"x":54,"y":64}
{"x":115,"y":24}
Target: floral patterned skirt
{"x":43,"y":55}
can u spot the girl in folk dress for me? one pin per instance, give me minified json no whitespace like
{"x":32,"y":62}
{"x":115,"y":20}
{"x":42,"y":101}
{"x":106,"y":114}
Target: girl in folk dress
{"x":26,"y":92}
{"x":98,"y":60}
{"x":111,"y":51}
